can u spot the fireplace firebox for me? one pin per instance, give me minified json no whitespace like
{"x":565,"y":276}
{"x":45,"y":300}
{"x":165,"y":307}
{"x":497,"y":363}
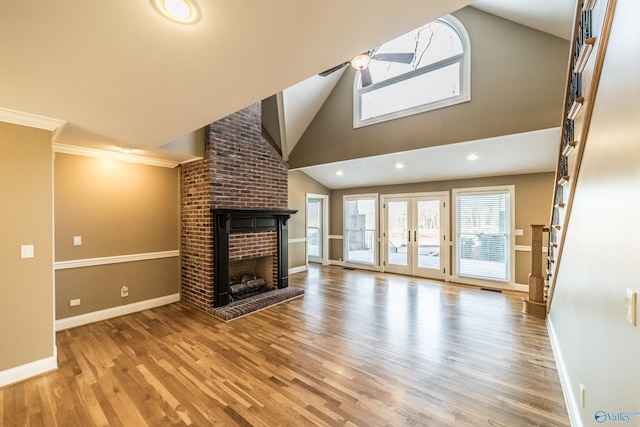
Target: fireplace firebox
{"x":258,"y":225}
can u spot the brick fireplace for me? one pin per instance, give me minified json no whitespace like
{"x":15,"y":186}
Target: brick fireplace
{"x":240,"y":173}
{"x":242,"y":235}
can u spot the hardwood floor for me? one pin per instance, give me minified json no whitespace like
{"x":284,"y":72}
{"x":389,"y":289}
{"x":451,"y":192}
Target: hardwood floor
{"x":359,"y":348}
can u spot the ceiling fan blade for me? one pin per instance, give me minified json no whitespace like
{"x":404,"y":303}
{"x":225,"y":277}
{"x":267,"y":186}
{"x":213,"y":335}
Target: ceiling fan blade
{"x":404,"y":58}
{"x":325,"y":73}
{"x":365,"y":77}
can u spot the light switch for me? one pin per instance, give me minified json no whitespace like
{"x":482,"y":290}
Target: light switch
{"x":77,"y":240}
{"x":519,"y":232}
{"x":27,"y":251}
{"x":630,"y":305}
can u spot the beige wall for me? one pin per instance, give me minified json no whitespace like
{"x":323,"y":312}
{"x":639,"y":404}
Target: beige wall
{"x":300,"y":184}
{"x":517,"y":84}
{"x":271,"y":120}
{"x":118,"y":208}
{"x":533,"y":194}
{"x":26,"y":285}
{"x":597,"y":347}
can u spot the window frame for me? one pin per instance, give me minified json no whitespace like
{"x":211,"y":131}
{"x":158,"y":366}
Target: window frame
{"x":475,"y":280}
{"x":345,"y":229}
{"x":463,"y":59}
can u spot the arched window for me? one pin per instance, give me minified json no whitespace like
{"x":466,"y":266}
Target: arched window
{"x":437,"y":76}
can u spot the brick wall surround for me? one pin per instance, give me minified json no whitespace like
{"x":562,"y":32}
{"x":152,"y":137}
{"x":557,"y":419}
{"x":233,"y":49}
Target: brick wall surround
{"x":246,"y":172}
{"x":197,"y":236}
{"x":240,"y":170}
{"x":249,"y":245}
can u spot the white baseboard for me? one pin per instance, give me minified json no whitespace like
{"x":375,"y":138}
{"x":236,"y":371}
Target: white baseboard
{"x":522,"y":288}
{"x":21,"y":373}
{"x":507,"y":286}
{"x":354,"y":265}
{"x":109,"y":313}
{"x":570,"y":399}
{"x":295,"y":270}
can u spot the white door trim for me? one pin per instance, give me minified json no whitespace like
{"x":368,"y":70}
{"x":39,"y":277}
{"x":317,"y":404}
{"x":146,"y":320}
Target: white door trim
{"x":325,"y":225}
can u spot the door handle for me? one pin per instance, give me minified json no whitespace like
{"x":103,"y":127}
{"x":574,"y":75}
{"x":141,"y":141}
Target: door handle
{"x":415,"y":236}
{"x":408,"y":235}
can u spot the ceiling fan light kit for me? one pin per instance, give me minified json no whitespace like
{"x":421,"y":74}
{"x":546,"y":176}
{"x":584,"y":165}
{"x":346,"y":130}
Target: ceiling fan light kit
{"x":361,"y":61}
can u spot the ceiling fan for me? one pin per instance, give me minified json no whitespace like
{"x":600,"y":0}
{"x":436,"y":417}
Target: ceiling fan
{"x":362,"y":61}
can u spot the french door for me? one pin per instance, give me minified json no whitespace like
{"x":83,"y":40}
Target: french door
{"x":414,"y":235}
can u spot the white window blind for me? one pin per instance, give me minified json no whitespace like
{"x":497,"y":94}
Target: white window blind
{"x":483,"y":233}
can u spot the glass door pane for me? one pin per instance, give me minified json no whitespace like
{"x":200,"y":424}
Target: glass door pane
{"x":314,"y":228}
{"x":398,"y":233}
{"x":428,"y":234}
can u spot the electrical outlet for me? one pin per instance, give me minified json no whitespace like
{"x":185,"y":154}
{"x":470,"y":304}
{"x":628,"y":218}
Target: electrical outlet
{"x":77,"y":240}
{"x":74,"y":302}
{"x":124,"y":291}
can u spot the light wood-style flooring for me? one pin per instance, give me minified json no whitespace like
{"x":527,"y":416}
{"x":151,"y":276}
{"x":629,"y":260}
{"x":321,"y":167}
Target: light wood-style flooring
{"x":360,"y":348}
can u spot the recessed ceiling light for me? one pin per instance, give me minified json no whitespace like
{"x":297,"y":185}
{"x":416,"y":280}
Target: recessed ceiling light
{"x":183,"y":11}
{"x":399,"y":166}
{"x":472,"y":157}
{"x":126,"y":149}
{"x":339,"y":173}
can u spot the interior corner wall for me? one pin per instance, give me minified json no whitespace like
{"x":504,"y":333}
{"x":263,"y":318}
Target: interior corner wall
{"x":518,"y":77}
{"x":595,"y":345}
{"x":533,"y":194}
{"x":26,"y":218}
{"x":119,"y":209}
{"x":300,"y":184}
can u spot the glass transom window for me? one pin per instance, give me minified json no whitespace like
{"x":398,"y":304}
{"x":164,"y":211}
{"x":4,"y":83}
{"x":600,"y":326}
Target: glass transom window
{"x":422,"y":70}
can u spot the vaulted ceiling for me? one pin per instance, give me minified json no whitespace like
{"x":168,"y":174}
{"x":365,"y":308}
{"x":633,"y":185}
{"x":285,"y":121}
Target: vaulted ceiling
{"x":119,"y":74}
{"x":528,"y":152}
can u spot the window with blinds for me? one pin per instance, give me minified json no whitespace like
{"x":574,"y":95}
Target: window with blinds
{"x":483,"y":233}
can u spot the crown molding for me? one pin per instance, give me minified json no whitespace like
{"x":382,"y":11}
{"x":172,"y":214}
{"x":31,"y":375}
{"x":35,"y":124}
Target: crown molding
{"x":30,"y":120}
{"x":103,"y":154}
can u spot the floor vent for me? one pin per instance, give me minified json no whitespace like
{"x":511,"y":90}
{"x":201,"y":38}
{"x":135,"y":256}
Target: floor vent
{"x":491,"y":290}
{"x":349,"y":268}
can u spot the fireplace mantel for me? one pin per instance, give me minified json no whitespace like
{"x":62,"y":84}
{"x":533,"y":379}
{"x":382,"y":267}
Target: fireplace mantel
{"x":229,"y":221}
{"x":250,"y":220}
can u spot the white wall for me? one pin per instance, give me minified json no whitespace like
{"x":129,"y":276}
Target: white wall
{"x":598,"y":347}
